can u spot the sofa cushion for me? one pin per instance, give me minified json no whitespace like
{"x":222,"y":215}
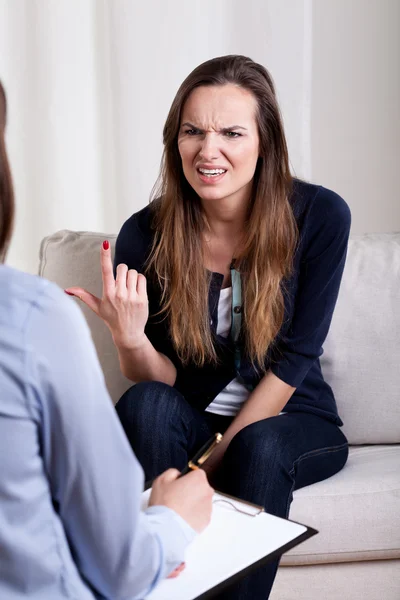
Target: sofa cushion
{"x":357,"y":511}
{"x":362,"y":351}
{"x":367,"y":580}
{"x":73,"y":259}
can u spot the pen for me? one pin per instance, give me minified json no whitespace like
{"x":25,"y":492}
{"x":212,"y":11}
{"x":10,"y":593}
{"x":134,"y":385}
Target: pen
{"x":199,"y":458}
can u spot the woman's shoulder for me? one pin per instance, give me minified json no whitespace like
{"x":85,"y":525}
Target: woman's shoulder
{"x":24,"y":296}
{"x":139,"y":223}
{"x":14,"y":281}
{"x":323,"y":218}
{"x":135,"y":238}
{"x":20,"y":292}
{"x":316,"y":202}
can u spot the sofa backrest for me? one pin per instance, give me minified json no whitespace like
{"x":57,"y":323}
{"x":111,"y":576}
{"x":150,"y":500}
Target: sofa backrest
{"x":362,"y":352}
{"x":72,"y":258}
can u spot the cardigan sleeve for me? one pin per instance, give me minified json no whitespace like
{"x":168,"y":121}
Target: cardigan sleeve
{"x":323,"y":248}
{"x":132,"y":248}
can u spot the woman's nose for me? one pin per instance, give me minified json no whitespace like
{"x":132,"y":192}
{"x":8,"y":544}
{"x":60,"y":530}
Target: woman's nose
{"x":209,"y":147}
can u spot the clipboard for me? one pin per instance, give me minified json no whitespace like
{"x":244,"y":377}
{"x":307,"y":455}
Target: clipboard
{"x":240,"y":538}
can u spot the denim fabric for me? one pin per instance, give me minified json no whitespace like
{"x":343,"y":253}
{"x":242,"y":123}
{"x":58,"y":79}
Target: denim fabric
{"x":263,"y":464}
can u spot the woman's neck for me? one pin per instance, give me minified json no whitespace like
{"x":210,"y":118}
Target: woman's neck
{"x":225,"y":219}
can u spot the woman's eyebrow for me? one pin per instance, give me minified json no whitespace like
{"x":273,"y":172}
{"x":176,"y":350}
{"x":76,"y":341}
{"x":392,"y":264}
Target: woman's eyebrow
{"x":223,"y":129}
{"x":234,"y":127}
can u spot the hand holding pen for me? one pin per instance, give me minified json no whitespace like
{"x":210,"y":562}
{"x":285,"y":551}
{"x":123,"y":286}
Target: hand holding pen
{"x":188,"y":493}
{"x":199,"y":458}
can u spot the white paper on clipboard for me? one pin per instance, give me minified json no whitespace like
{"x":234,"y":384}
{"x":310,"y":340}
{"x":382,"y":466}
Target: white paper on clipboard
{"x":231,"y":543}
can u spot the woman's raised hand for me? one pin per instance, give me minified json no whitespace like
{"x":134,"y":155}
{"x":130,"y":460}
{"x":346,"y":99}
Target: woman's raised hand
{"x":124,"y":304}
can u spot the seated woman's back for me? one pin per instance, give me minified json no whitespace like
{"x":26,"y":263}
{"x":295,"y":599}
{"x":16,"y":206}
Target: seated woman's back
{"x":70,"y":487}
{"x":36,"y":559}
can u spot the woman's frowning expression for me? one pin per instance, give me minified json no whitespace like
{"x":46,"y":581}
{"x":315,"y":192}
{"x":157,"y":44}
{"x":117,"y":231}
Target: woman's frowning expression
{"x":218,"y":142}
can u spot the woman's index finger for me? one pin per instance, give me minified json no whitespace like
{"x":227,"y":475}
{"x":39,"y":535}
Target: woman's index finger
{"x":107,"y":269}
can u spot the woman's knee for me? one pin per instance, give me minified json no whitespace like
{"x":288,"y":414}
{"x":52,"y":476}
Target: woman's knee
{"x":147,"y":402}
{"x":259,"y":445}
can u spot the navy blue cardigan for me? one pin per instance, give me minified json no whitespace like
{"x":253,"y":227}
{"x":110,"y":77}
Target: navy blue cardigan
{"x":323,"y":219}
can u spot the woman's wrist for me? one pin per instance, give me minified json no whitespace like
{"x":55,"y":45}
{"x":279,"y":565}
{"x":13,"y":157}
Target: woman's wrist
{"x":130,"y":343}
{"x":140,"y":361}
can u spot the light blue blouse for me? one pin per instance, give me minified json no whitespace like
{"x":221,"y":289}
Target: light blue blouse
{"x":70,"y":486}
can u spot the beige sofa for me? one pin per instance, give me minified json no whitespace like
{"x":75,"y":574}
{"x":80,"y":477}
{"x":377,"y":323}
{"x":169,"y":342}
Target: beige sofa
{"x":356,"y":555}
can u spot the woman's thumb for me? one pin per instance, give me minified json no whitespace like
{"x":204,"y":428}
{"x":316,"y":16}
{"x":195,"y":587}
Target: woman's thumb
{"x":170,"y":475}
{"x":86,"y":297}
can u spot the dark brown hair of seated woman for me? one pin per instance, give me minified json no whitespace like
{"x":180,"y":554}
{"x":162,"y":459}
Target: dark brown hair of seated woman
{"x":264,"y":256}
{"x":6,"y":188}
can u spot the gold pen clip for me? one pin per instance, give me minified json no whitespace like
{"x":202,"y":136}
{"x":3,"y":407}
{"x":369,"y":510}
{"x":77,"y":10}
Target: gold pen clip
{"x":206,"y":454}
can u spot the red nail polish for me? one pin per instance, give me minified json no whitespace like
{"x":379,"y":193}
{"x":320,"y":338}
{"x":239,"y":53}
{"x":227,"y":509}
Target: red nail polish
{"x":69,"y":293}
{"x":106,"y":245}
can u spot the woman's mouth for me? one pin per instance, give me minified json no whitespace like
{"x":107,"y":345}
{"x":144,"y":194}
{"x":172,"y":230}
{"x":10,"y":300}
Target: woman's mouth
{"x":211,"y":175}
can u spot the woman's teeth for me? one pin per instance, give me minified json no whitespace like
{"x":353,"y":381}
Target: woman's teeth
{"x":212,"y":172}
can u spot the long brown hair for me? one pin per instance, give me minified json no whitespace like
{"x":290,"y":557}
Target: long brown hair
{"x":6,"y":188}
{"x":271,"y":232}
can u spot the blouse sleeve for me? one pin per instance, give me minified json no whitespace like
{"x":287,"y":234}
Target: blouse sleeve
{"x":324,"y":246}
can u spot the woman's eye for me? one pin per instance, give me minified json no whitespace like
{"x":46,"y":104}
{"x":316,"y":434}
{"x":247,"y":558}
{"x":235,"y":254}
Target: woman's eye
{"x":232,"y":134}
{"x":192,"y":131}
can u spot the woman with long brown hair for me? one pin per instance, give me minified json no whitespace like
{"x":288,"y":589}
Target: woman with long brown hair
{"x":227,"y":283}
{"x":70,"y":487}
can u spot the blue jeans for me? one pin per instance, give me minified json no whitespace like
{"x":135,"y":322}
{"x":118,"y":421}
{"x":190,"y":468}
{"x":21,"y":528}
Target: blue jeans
{"x":263,"y":464}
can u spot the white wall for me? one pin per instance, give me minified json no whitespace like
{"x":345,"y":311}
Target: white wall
{"x":355,"y":124}
{"x":149,"y":63}
{"x":90,"y":82}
